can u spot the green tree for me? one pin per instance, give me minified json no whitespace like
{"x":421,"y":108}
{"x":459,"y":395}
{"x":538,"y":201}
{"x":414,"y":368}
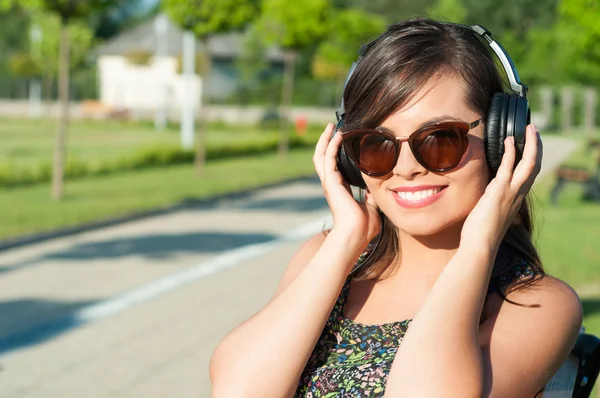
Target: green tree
{"x":292,"y":28}
{"x":518,"y":24}
{"x":127,"y":13}
{"x":579,"y":34}
{"x":349,"y":29}
{"x":391,"y":10}
{"x":563,"y":49}
{"x":13,"y":43}
{"x":205,"y":18}
{"x":67,"y":11}
{"x":12,"y":39}
{"x":448,"y":10}
{"x":514,"y":16}
{"x":23,"y":65}
{"x":251,"y":62}
{"x":46,"y":53}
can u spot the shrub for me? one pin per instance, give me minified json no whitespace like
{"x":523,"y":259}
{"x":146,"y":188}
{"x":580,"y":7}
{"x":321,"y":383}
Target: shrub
{"x":157,"y":156}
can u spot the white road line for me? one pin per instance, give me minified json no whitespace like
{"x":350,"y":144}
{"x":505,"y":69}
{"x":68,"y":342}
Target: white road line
{"x":209,"y":267}
{"x":124,"y":301}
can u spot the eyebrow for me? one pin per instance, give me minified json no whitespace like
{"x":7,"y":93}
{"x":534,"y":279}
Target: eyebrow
{"x":434,"y":120}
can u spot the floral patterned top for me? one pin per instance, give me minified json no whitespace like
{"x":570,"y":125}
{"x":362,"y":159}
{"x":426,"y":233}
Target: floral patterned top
{"x":354,"y":360}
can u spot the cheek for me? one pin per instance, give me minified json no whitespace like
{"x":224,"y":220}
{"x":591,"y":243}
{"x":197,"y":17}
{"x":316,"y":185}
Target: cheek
{"x":378,"y":192}
{"x":475,"y":153}
{"x":373,"y":184}
{"x":473,"y":174}
{"x":468,"y":185}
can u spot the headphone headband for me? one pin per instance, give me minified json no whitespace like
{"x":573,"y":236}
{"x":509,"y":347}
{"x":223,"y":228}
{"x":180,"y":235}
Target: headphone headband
{"x":507,"y":64}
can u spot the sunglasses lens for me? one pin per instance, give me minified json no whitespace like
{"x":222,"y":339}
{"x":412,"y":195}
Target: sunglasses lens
{"x":440,"y":149}
{"x":375,"y":153}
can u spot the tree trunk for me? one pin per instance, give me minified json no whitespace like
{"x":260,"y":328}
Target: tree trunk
{"x":286,"y":103}
{"x":47,"y":97}
{"x":201,"y":137}
{"x":63,"y":122}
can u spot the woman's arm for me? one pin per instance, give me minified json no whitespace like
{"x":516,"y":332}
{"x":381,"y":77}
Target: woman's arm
{"x":444,"y":352}
{"x":440,"y":354}
{"x":266,"y":355}
{"x":512,"y":354}
{"x":522,"y":348}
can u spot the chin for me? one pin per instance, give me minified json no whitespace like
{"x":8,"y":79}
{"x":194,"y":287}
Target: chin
{"x":442,"y":216}
{"x":425,"y":224}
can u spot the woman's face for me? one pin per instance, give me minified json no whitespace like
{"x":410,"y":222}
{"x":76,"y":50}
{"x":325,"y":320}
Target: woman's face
{"x":403,"y":194}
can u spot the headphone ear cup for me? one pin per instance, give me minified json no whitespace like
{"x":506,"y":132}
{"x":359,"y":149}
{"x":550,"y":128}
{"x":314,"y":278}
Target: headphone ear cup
{"x":348,"y":169}
{"x":522,"y":120}
{"x":495,"y":130}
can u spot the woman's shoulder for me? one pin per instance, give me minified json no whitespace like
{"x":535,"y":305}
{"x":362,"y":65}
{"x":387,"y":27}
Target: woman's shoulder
{"x":525,"y":290}
{"x":552,"y":292}
{"x":535,"y":327}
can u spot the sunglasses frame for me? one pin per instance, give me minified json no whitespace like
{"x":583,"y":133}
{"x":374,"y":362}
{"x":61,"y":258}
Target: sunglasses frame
{"x":462,"y":128}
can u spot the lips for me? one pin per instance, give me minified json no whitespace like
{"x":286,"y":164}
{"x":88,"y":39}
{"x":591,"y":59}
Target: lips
{"x":417,"y":196}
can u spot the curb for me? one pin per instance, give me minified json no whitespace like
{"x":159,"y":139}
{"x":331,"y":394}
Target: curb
{"x":108,"y":222}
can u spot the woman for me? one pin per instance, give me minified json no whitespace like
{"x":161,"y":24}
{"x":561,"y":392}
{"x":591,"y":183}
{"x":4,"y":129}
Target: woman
{"x":453,"y":300}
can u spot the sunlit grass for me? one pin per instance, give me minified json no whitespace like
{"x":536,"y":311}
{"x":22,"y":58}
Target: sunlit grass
{"x":29,"y":209}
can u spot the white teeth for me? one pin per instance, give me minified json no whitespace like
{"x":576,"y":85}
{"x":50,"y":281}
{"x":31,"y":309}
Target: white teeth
{"x":417,"y":196}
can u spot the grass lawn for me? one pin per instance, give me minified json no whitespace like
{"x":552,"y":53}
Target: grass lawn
{"x":27,"y":143}
{"x":568,"y":237}
{"x":29,"y":209}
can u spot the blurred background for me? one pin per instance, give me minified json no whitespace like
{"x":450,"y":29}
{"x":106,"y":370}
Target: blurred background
{"x":156,"y":173}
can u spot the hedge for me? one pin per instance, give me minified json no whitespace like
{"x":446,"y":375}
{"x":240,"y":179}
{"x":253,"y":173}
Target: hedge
{"x":144,"y":158}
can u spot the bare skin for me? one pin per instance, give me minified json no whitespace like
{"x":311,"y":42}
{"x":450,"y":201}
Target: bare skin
{"x":440,"y":281}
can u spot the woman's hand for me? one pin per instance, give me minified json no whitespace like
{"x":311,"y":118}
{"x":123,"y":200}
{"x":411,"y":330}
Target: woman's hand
{"x":489,"y":220}
{"x":359,"y":221}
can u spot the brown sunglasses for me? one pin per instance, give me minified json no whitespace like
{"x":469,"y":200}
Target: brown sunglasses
{"x":438,"y":147}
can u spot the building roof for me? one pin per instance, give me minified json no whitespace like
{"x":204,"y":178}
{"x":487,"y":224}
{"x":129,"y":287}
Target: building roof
{"x":143,"y":37}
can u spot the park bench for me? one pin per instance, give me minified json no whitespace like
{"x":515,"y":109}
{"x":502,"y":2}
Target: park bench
{"x":580,"y":175}
{"x":577,"y":376}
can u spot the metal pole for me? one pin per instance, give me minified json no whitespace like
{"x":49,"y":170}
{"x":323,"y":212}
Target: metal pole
{"x":160,"y":114}
{"x":187,"y":107}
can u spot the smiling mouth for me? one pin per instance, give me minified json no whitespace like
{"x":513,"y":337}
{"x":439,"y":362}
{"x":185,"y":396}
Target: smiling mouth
{"x":418,"y":195}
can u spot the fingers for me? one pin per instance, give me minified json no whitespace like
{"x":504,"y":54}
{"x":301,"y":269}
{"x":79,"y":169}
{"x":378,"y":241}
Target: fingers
{"x":320,"y":149}
{"x":331,"y":153}
{"x":325,"y":156}
{"x":324,"y":140}
{"x":505,"y":171}
{"x":530,"y":164}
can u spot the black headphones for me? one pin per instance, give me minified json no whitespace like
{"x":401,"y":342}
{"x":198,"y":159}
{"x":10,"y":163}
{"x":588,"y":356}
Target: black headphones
{"x":508,"y":114}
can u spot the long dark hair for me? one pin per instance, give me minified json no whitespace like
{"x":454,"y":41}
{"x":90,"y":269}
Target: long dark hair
{"x":401,"y":61}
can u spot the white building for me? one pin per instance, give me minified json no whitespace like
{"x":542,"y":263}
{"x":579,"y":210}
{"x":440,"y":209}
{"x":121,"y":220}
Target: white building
{"x":143,"y":88}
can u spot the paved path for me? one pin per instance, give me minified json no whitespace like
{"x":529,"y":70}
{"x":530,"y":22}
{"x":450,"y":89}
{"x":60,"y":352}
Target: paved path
{"x":135,"y":310}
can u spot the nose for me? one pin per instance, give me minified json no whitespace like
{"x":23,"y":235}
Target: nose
{"x":407,"y":165}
